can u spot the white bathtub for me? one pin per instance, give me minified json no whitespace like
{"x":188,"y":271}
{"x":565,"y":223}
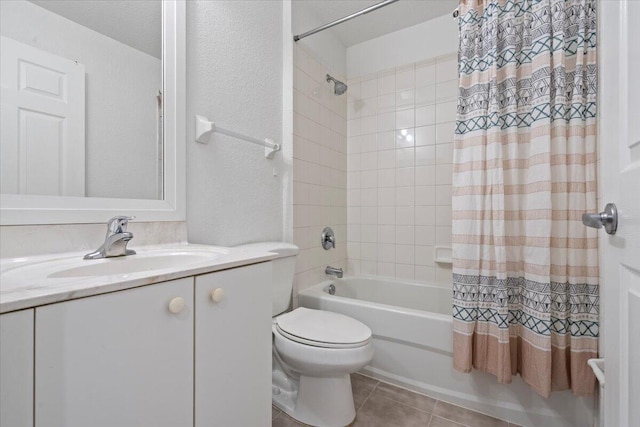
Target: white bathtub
{"x":411,"y":326}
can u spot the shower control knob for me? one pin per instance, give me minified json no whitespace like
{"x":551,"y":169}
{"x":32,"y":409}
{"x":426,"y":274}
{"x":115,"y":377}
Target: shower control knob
{"x":176,"y":305}
{"x":607,"y":218}
{"x":217,"y":295}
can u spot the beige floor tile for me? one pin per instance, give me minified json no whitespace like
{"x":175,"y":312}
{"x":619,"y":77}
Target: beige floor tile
{"x":283,"y":420}
{"x":362,"y":387}
{"x":466,"y":416}
{"x":380,"y":412}
{"x":406,"y":397}
{"x":275,"y":412}
{"x":441,"y":422}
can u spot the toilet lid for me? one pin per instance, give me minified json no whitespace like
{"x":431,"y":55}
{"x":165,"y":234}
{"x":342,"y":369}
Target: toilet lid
{"x":323,"y":328}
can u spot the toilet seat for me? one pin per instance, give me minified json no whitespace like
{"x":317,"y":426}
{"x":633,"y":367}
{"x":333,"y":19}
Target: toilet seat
{"x":324,"y":329}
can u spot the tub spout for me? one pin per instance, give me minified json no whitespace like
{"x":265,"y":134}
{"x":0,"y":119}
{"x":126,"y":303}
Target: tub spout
{"x":332,"y":271}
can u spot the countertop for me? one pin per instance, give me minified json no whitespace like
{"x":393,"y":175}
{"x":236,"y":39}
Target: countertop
{"x":20,"y":291}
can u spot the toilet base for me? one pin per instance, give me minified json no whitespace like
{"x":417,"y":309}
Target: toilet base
{"x":316,"y":401}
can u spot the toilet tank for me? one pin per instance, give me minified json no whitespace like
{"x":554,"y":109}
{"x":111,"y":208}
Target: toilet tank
{"x":283,"y":268}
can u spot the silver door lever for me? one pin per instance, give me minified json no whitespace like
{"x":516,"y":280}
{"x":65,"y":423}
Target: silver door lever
{"x":607,"y":218}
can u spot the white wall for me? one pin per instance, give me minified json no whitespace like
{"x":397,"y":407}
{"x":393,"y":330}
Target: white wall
{"x":429,"y":39}
{"x":121,"y":87}
{"x":319,"y":169}
{"x":401,"y":126}
{"x":234,"y":77}
{"x":326,"y":47}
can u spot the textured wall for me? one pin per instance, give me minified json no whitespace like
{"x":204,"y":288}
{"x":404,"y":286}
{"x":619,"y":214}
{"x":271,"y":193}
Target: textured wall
{"x":234,"y":77}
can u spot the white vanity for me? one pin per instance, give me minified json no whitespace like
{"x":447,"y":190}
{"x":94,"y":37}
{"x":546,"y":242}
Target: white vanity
{"x":176,"y":335}
{"x":171,"y":346}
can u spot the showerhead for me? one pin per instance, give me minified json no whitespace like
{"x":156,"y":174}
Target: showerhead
{"x":338,"y":87}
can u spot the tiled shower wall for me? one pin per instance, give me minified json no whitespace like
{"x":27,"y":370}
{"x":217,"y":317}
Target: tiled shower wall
{"x":319,"y":169}
{"x":400,"y":134}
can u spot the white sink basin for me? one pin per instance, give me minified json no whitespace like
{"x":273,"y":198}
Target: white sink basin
{"x":133,"y":264}
{"x":145,"y":262}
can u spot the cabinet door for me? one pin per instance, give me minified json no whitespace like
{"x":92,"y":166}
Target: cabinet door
{"x":120,"y":359}
{"x":16,"y":369}
{"x":233,"y":348}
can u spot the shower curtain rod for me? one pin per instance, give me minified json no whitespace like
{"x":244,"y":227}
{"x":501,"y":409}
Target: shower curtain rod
{"x":345,"y":19}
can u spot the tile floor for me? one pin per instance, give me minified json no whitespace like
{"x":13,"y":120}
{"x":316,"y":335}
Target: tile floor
{"x":382,"y":405}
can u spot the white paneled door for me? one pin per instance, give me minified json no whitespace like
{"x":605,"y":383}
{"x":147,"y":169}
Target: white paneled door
{"x":620,"y":180}
{"x":43,"y":122}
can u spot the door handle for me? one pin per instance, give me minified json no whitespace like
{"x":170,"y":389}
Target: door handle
{"x":607,"y":218}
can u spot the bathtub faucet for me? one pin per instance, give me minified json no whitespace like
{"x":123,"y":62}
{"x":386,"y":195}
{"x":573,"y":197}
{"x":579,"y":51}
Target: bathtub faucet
{"x":332,"y":271}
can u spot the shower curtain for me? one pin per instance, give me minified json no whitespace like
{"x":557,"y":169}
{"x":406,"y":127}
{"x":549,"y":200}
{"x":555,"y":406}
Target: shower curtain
{"x":525,"y":296}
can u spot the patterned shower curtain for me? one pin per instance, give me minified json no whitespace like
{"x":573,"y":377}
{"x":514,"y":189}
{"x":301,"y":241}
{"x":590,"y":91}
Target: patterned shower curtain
{"x":525,"y":268}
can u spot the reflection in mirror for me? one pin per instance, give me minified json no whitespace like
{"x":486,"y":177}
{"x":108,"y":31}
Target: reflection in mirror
{"x":81,"y":98}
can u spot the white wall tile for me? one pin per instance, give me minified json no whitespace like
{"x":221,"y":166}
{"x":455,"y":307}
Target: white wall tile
{"x":425,"y":75}
{"x":386,"y":140}
{"x":444,"y":174}
{"x":405,"y":118}
{"x":387,"y":102}
{"x":425,"y":95}
{"x":445,"y":132}
{"x":405,"y":78}
{"x":405,"y":157}
{"x":386,"y":159}
{"x":386,"y":121}
{"x":425,"y":116}
{"x":405,"y":138}
{"x":447,"y":69}
{"x":425,"y":135}
{"x":446,"y":111}
{"x":404,"y":177}
{"x":446,"y":91}
{"x":405,"y":234}
{"x":398,"y":169}
{"x":369,"y":88}
{"x":386,"y":82}
{"x":405,"y":99}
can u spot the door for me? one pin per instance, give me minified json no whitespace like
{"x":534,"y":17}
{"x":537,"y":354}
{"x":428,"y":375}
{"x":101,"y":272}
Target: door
{"x":120,"y":359}
{"x":42,"y":149}
{"x":16,"y":369}
{"x":620,"y":184}
{"x":233,"y":348}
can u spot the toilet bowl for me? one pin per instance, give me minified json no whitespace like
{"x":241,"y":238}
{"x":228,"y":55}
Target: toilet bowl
{"x":314,"y":353}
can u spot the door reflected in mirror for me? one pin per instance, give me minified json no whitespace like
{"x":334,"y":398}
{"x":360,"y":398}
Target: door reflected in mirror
{"x":82,"y":111}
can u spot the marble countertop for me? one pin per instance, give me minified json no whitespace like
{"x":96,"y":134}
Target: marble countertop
{"x":28,"y":282}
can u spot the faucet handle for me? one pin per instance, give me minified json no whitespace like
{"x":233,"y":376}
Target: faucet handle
{"x":118,"y":224}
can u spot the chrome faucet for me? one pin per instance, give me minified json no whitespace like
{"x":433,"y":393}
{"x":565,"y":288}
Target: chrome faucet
{"x":333,"y":271}
{"x":115,"y":243}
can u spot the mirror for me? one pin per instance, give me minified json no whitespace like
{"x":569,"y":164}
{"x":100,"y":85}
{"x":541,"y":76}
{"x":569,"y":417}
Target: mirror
{"x":90,"y":91}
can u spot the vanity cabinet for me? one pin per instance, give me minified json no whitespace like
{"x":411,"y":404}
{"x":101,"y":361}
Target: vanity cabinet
{"x":16,"y":369}
{"x":135,"y":357}
{"x":233,"y":347}
{"x":118,"y":359}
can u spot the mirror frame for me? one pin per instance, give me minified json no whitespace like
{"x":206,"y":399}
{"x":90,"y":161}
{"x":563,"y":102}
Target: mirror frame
{"x":18,"y":209}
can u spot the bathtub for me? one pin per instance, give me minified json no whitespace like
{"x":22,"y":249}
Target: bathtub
{"x":411,"y":325}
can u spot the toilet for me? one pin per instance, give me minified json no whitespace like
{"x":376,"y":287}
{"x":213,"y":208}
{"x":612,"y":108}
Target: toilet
{"x":314,"y":352}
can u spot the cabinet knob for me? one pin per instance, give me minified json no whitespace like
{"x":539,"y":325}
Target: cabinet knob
{"x":176,"y":305}
{"x":217,"y":295}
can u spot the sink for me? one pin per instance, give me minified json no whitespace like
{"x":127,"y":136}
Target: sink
{"x":134,"y":264}
{"x":146,"y":262}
